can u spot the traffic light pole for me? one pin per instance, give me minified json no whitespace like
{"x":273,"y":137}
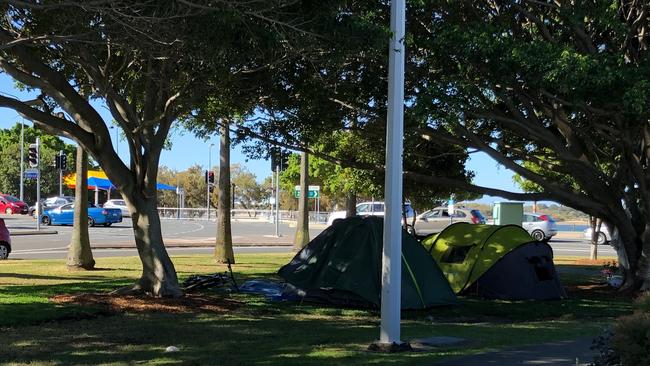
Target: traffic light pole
{"x":61,"y":173}
{"x":38,"y":184}
{"x":277,"y":201}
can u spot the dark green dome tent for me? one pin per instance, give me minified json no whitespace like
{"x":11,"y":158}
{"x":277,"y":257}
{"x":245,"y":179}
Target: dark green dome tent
{"x":498,"y":262}
{"x":343,"y":265}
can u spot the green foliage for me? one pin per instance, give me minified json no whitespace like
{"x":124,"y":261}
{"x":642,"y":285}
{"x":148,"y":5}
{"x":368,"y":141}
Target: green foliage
{"x":631,"y":339}
{"x":10,"y":162}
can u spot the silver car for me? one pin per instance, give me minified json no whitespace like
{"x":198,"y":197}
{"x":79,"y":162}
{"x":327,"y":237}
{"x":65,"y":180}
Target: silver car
{"x":434,"y":221}
{"x":541,"y":227}
{"x":604,"y":236}
{"x":117,"y":203}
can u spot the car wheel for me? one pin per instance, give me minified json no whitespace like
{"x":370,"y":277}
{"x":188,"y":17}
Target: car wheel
{"x":4,"y":251}
{"x":538,"y":235}
{"x":410,"y":229}
{"x":9,"y":211}
{"x":91,"y":221}
{"x":45,"y":220}
{"x":602,"y":239}
{"x":107,"y":224}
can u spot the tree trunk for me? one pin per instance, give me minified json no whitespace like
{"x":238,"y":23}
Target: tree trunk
{"x":79,"y":252}
{"x":302,"y":228}
{"x":158,"y":272}
{"x":594,"y":223}
{"x":350,"y":204}
{"x":223,"y":252}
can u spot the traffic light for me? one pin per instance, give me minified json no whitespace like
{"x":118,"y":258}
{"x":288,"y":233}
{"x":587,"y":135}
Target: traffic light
{"x":57,"y":162}
{"x":32,"y":155}
{"x":279,"y":158}
{"x":63,"y":162}
{"x":211,"y":177}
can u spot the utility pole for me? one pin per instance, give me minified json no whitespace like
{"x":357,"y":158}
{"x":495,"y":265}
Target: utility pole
{"x":38,"y":184}
{"x":389,"y":332}
{"x":207,"y":180}
{"x":60,"y":172}
{"x":22,"y":159}
{"x":277,"y":200}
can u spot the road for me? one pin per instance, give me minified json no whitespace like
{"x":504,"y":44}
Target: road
{"x":186,"y":237}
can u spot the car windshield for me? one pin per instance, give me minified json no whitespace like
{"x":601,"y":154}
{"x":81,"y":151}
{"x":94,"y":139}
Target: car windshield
{"x":11,"y":198}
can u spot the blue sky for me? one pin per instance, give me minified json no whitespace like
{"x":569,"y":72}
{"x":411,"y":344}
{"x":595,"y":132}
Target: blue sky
{"x":188,"y":150}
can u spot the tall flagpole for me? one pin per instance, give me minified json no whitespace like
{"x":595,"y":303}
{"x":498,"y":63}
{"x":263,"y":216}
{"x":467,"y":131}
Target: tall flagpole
{"x":391,"y":291}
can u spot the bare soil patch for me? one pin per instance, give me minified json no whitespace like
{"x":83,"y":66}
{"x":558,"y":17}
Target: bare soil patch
{"x":597,"y":290}
{"x":191,"y":303}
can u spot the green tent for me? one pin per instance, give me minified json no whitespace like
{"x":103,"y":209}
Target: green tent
{"x":495,"y":261}
{"x":343,"y":265}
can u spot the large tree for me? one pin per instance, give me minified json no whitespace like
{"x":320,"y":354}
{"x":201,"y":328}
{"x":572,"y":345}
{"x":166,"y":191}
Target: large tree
{"x":147,"y":62}
{"x":554,"y":91}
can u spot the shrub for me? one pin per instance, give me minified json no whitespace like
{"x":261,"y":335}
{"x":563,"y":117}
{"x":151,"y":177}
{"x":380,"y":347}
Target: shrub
{"x":631,"y":339}
{"x":642,"y":303}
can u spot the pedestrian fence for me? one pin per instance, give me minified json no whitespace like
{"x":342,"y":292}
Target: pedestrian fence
{"x":175,"y":213}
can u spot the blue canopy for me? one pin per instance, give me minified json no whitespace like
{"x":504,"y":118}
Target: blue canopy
{"x":106,"y":184}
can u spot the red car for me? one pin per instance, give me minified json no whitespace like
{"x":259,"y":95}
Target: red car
{"x":11,"y":205}
{"x":5,"y":241}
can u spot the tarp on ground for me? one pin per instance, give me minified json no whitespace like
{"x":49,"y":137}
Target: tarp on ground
{"x":98,"y":179}
{"x":342,"y":265}
{"x":502,"y":262}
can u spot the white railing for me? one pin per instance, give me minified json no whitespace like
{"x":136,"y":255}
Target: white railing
{"x":175,"y":213}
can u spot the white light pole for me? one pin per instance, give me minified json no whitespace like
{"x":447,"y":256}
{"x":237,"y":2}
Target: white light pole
{"x":207,"y":180}
{"x":391,"y":292}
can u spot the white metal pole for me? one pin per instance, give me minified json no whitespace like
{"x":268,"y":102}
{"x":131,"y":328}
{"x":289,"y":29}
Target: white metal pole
{"x":22,"y":159}
{"x":277,"y":200}
{"x":38,"y":184}
{"x":392,"y":252}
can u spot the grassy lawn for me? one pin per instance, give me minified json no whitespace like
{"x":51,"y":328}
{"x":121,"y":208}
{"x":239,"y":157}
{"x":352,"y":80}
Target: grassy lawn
{"x":35,"y":331}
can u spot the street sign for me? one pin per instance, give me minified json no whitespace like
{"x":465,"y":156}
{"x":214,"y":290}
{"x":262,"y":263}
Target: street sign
{"x":31,"y":173}
{"x":450,"y":207}
{"x":314,"y":192}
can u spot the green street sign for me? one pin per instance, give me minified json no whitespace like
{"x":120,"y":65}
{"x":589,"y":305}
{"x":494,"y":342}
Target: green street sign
{"x":314,"y":192}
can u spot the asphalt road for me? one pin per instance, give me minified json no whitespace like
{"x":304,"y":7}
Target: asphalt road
{"x":187,"y":237}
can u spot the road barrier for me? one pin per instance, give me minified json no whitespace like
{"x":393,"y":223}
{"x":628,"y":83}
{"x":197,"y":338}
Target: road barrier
{"x":175,"y":213}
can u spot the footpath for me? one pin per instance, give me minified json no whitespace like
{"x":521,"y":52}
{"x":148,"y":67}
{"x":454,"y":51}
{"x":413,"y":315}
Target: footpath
{"x":574,"y":352}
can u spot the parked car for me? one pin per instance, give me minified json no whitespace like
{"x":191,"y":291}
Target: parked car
{"x":51,"y":202}
{"x":5,"y":240}
{"x":604,"y":236}
{"x":374,"y":208}
{"x":11,"y":205}
{"x":541,"y":227}
{"x":436,"y":220}
{"x":64,"y":215}
{"x":117,"y":203}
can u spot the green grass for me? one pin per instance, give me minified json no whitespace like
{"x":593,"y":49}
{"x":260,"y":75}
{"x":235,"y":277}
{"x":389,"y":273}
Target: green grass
{"x":35,"y":331}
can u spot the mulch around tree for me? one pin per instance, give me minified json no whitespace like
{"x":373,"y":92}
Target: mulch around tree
{"x":191,"y":303}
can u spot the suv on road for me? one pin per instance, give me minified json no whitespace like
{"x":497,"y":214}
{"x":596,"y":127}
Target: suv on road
{"x":436,"y":220}
{"x":51,"y":202}
{"x":541,"y":227}
{"x":373,"y":208}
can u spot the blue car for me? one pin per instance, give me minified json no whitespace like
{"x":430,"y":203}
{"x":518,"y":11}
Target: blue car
{"x":64,"y":215}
